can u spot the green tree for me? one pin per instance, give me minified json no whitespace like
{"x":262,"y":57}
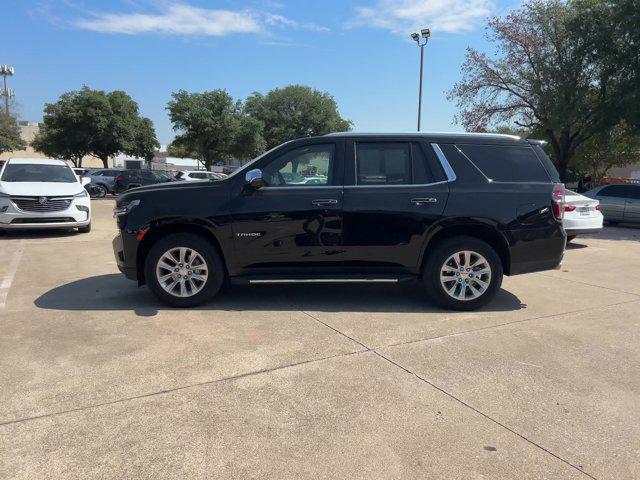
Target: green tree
{"x":212,"y":127}
{"x":10,"y":138}
{"x":616,"y":147}
{"x":610,"y":32}
{"x":295,"y":111}
{"x":92,"y":122}
{"x":543,"y":78}
{"x":145,"y":143}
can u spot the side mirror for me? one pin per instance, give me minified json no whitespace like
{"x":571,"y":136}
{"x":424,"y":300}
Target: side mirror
{"x":85,"y":181}
{"x":254,"y":179}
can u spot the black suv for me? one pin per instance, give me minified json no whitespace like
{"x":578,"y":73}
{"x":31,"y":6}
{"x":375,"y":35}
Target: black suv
{"x":128,"y":179}
{"x":456,"y":211}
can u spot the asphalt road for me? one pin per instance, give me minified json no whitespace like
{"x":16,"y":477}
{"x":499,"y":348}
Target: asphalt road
{"x":97,"y":380}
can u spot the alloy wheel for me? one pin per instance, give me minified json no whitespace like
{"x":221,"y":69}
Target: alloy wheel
{"x":182,"y":272}
{"x":465,"y":275}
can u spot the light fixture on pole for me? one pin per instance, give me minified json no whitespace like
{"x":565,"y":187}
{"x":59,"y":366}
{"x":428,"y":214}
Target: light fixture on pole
{"x":421,"y":40}
{"x":6,"y":71}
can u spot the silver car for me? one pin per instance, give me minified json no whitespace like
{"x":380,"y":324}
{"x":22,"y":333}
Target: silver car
{"x":618,"y":202}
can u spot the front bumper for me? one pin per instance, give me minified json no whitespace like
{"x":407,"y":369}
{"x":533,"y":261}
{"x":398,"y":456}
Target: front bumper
{"x":125,"y":253}
{"x":78,"y":214}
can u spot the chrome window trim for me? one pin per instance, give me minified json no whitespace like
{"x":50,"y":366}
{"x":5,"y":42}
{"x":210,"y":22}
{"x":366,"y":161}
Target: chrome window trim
{"x":448,"y":170}
{"x":403,"y":185}
{"x":301,"y":187}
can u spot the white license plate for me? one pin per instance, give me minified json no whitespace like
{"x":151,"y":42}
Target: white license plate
{"x":586,"y":211}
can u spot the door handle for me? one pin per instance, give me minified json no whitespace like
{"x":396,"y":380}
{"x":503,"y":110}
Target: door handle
{"x":423,"y":201}
{"x":324,"y":202}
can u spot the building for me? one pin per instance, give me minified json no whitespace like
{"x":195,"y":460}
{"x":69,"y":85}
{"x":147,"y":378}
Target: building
{"x":630,"y":171}
{"x":28,"y":130}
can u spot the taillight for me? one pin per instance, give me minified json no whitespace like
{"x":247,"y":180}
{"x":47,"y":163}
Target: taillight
{"x":558,"y":201}
{"x":119,"y":178}
{"x":598,"y":207}
{"x":569,"y":208}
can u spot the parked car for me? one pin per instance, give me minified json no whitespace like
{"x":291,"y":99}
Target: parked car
{"x":190,"y":175}
{"x":455,"y":211}
{"x":581,"y":215}
{"x":80,"y":172}
{"x":619,"y":202}
{"x":103,"y":180}
{"x":42,"y":193}
{"x":128,"y":179}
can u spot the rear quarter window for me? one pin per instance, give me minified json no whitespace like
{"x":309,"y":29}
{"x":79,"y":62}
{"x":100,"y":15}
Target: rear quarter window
{"x":620,"y":191}
{"x":506,"y":163}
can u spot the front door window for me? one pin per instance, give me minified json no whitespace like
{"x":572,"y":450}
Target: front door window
{"x":309,"y":165}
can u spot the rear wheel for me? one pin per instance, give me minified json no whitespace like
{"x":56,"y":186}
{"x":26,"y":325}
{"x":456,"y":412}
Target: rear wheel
{"x":184,"y":270}
{"x":463,"y":273}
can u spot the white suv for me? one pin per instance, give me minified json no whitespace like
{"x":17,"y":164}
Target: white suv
{"x":42,"y":193}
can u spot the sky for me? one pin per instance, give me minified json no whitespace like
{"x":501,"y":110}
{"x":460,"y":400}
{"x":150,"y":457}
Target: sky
{"x":359,"y":51}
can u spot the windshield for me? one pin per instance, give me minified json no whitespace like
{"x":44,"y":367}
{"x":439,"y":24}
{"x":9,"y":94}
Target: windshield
{"x":32,"y":172}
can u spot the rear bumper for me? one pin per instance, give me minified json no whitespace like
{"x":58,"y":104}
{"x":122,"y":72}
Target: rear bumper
{"x":582,"y":231}
{"x":536,"y":250}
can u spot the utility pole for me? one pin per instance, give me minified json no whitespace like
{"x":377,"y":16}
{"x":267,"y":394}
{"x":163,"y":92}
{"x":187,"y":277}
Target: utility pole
{"x":7,"y":93}
{"x":425,"y":38}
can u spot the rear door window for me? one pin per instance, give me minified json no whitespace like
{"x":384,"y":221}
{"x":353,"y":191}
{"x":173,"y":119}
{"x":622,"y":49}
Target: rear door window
{"x":506,"y":163}
{"x":383,"y":163}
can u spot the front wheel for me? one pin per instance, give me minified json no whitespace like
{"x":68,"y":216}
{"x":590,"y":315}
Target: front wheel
{"x":101,"y":191}
{"x":184,"y":270}
{"x":463,"y":273}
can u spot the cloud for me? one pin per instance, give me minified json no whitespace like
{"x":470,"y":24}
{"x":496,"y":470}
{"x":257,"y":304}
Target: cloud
{"x":184,"y":19}
{"x":406,"y":16}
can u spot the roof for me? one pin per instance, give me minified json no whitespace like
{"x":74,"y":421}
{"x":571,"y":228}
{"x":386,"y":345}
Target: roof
{"x":458,"y":137}
{"x":41,"y":161}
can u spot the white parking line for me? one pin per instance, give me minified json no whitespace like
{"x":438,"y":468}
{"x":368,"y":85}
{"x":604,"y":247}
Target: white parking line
{"x":7,"y":280}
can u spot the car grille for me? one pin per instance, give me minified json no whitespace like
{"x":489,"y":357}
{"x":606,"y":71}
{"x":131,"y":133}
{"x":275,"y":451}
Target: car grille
{"x":42,"y":204}
{"x":44,"y":220}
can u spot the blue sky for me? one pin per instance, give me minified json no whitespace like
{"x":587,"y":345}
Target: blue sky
{"x":359,"y":51}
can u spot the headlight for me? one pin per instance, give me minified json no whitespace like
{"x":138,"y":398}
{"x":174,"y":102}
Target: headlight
{"x":125,"y":208}
{"x":83,"y":193}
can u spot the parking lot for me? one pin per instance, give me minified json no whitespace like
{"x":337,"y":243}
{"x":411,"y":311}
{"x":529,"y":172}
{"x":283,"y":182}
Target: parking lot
{"x":358,"y":381}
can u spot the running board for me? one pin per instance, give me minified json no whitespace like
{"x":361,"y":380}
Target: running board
{"x":320,"y":279}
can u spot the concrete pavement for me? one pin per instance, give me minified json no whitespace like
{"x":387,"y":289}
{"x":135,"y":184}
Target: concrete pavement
{"x":99,"y":380}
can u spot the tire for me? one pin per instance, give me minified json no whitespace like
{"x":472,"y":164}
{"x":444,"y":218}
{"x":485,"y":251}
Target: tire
{"x":85,"y":229}
{"x":204,"y":290}
{"x":443,"y":256}
{"x":570,"y":238}
{"x":101,"y":191}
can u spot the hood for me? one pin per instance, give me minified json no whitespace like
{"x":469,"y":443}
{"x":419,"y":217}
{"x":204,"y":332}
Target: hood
{"x":168,"y":187}
{"x":40,"y":189}
{"x":178,"y":184}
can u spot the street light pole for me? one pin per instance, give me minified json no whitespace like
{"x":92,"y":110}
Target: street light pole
{"x":425,"y":38}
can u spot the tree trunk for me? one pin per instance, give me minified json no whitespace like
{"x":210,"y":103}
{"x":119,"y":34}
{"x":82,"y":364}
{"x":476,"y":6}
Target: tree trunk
{"x":105,"y":162}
